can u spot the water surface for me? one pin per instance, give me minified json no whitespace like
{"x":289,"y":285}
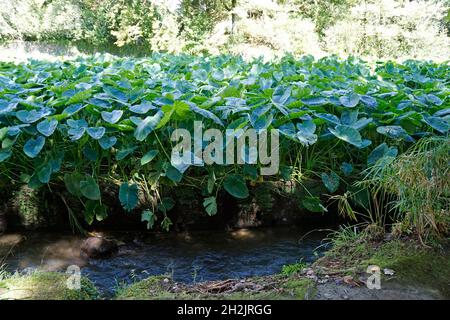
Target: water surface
{"x":192,"y":257}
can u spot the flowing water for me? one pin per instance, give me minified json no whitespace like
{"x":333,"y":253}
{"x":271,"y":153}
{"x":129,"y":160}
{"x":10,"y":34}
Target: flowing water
{"x":197,"y":256}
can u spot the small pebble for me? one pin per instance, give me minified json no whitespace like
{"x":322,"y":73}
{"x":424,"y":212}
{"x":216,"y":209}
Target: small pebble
{"x":388,"y":272}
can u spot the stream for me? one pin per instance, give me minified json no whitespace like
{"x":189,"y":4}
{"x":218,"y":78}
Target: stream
{"x":193,"y":257}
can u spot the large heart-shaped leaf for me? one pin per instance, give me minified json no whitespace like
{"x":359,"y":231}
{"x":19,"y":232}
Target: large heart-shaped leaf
{"x":383,"y":150}
{"x":331,"y":181}
{"x":33,"y":146}
{"x":89,"y":188}
{"x":113,"y":116}
{"x":142,"y":108}
{"x":313,"y":204}
{"x":96,"y":132}
{"x":107,"y":142}
{"x":306,"y":134}
{"x":350,"y":135}
{"x":44,"y":172}
{"x":47,"y":127}
{"x":128,"y":196}
{"x":350,"y":100}
{"x":394,"y":132}
{"x":235,"y":185}
{"x":116,"y":93}
{"x":149,"y":156}
{"x":72,"y":183}
{"x":437,"y":123}
{"x":147,"y":125}
{"x":33,"y":115}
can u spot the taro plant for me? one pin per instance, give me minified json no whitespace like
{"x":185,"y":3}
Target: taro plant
{"x":101,"y":121}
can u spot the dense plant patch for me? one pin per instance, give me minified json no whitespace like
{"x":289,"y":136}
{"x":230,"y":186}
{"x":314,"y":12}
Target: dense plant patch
{"x":101,"y":119}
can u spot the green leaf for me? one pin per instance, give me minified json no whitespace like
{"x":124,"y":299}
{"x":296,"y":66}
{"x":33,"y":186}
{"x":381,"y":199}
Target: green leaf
{"x":369,"y":101}
{"x":346,"y":168}
{"x":166,"y":223}
{"x":34,"y":182}
{"x":211,"y":182}
{"x":173,"y":174}
{"x":149,"y":156}
{"x":210,"y":205}
{"x":47,"y":127}
{"x":94,"y":209}
{"x":44,"y":172}
{"x":350,"y":135}
{"x":437,"y":123}
{"x":89,"y":188}
{"x":5,"y":154}
{"x":149,"y":217}
{"x":286,"y":172}
{"x":315,"y":101}
{"x":306,"y":134}
{"x":206,"y":114}
{"x":250,"y":171}
{"x":129,"y":196}
{"x":236,"y":186}
{"x":168,"y":111}
{"x":142,"y":108}
{"x":166,"y":204}
{"x":33,"y":146}
{"x":80,"y":97}
{"x":72,"y":182}
{"x":96,"y":132}
{"x":33,"y":115}
{"x":113,"y":116}
{"x":434,"y":99}
{"x":124,"y":152}
{"x":70,"y":110}
{"x":381,"y":151}
{"x":107,"y":142}
{"x":116,"y":93}
{"x":90,"y":154}
{"x":313,"y":204}
{"x":350,"y":101}
{"x":147,"y":125}
{"x":281,"y":95}
{"x":329,"y":117}
{"x":394,"y":132}
{"x":331,"y":181}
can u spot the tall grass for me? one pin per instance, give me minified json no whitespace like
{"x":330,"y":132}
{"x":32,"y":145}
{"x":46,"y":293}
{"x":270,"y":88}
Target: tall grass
{"x":419,"y":180}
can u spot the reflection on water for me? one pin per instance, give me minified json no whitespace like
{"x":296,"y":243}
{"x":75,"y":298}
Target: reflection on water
{"x":189,"y":257}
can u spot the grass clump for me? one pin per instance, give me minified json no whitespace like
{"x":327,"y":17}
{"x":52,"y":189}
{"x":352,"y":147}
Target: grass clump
{"x":44,"y":286}
{"x":293,"y":268}
{"x":419,"y":180}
